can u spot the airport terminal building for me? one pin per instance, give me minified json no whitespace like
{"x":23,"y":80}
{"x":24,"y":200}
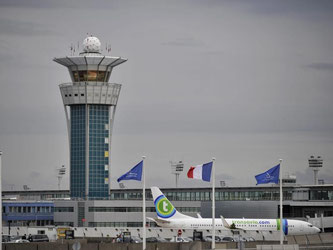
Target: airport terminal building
{"x":123,"y":208}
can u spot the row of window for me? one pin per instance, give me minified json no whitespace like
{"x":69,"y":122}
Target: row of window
{"x":26,"y":209}
{"x":119,"y":224}
{"x":82,"y":94}
{"x":64,"y":209}
{"x":225,"y":195}
{"x":139,"y":209}
{"x":237,"y":225}
{"x":193,"y":196}
{"x":78,"y":136}
{"x":91,"y":75}
{"x":98,"y":158}
{"x":321,"y":195}
{"x":206,"y":195}
{"x":124,"y":209}
{"x":28,"y":223}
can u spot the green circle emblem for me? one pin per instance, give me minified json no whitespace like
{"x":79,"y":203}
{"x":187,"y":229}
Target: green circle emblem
{"x":164,"y":208}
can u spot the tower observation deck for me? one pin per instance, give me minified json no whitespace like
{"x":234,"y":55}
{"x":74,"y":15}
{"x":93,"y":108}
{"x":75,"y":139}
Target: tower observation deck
{"x":90,"y":103}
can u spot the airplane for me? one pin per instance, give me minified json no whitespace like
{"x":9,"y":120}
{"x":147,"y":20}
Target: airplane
{"x":169,"y":217}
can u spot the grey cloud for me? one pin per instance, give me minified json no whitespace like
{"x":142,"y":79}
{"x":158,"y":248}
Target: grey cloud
{"x":34,"y":175}
{"x":321,"y":66}
{"x":307,"y":176}
{"x":184,"y":42}
{"x":62,"y":4}
{"x":300,"y":8}
{"x":38,"y":4}
{"x":26,"y":28}
{"x":203,"y":79}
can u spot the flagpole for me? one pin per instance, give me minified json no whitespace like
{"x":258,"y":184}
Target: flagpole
{"x":281,"y":206}
{"x":213,"y":203}
{"x":144,"y":203}
{"x":0,"y":201}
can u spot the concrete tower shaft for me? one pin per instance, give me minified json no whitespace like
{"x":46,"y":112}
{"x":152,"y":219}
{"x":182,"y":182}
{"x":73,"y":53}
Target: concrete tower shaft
{"x":90,"y":103}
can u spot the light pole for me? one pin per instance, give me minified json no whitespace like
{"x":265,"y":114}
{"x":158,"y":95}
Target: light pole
{"x":61,"y":173}
{"x":177,"y":168}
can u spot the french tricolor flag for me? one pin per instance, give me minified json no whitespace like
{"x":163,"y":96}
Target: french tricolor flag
{"x":201,"y":172}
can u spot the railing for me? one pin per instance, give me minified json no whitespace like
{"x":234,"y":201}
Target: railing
{"x":82,"y":84}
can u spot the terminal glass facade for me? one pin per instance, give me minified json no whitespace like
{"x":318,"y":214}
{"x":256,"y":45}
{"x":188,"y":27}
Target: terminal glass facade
{"x":78,"y":151}
{"x":27,"y":213}
{"x":98,"y":132}
{"x":205,"y":195}
{"x":98,"y":151}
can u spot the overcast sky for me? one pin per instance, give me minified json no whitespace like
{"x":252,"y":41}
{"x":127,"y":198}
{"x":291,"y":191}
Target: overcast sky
{"x":247,"y":82}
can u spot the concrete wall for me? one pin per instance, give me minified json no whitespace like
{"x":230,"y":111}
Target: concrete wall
{"x":66,"y":216}
{"x":322,"y":223}
{"x":314,"y":240}
{"x":111,"y":232}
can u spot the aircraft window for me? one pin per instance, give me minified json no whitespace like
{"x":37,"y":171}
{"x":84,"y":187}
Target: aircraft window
{"x":310,"y":225}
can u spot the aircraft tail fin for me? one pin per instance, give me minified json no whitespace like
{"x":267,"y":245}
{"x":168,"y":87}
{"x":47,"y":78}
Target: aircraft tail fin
{"x":164,"y":208}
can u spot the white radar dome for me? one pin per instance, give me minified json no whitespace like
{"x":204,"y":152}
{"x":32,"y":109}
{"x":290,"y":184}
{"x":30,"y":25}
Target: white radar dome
{"x":91,"y":44}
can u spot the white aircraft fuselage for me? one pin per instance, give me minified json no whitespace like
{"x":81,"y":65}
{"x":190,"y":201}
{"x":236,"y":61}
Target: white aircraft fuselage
{"x":290,"y":227}
{"x":169,"y":217}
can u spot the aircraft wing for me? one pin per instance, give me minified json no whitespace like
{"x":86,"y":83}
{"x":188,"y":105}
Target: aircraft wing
{"x":225,"y":223}
{"x":232,"y":226}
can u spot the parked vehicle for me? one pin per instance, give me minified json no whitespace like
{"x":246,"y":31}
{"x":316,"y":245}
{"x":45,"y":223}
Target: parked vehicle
{"x":136,"y":239}
{"x":19,"y":241}
{"x":156,"y":239}
{"x":61,"y":232}
{"x":6,"y":238}
{"x":188,"y":239}
{"x":239,"y":239}
{"x":38,"y":238}
{"x":180,"y":239}
{"x":227,"y":239}
{"x":208,"y":238}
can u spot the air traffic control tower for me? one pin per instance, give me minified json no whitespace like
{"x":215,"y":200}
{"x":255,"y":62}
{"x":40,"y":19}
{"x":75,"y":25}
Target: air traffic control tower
{"x":90,"y":103}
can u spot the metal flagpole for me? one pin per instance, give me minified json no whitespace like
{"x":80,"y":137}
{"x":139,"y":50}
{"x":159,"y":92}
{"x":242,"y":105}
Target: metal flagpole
{"x":281,"y":206}
{"x":143,"y":203}
{"x":213,"y":203}
{"x":0,"y":202}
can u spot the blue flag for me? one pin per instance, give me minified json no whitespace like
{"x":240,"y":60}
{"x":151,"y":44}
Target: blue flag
{"x":134,"y":174}
{"x":271,"y":175}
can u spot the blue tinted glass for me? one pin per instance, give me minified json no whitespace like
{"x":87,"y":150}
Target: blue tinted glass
{"x":98,"y":120}
{"x":77,"y":151}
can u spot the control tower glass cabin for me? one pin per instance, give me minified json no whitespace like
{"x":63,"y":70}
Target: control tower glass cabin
{"x":90,"y":103}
